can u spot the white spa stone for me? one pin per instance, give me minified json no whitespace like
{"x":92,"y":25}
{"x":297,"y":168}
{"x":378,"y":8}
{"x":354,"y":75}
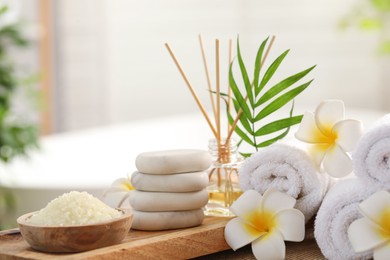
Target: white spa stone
{"x":166,"y":220}
{"x":167,"y":201}
{"x":173,"y":161}
{"x":182,"y":182}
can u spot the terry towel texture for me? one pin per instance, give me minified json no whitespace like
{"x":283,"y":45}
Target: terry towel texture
{"x":371,"y":159}
{"x":338,"y":210}
{"x":288,"y":169}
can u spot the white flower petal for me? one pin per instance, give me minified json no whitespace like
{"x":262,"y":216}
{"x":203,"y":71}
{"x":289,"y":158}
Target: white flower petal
{"x":269,"y":246}
{"x":328,"y":113}
{"x":124,"y":198}
{"x":291,"y":223}
{"x":375,"y":206}
{"x":337,"y":163}
{"x":248,"y":202}
{"x":122,"y":183}
{"x":317,"y":152}
{"x":364,"y":235}
{"x":308,"y":131}
{"x":239,"y":234}
{"x":382,"y":252}
{"x":348,"y":133}
{"x":275,"y":201}
{"x":119,"y":185}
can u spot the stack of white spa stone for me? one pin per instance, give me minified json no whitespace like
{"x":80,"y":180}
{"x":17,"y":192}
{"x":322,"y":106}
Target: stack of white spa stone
{"x":170,"y":189}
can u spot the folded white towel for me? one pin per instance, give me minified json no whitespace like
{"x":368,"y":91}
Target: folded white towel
{"x":371,"y":159}
{"x":288,"y":169}
{"x":338,"y":210}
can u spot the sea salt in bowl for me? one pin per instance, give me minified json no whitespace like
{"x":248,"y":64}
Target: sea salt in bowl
{"x":67,"y":239}
{"x":74,"y":222}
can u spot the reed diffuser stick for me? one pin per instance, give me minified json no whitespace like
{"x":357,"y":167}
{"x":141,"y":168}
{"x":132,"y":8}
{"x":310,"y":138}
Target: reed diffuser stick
{"x":246,"y":98}
{"x":229,"y":100}
{"x":208,"y":77}
{"x":218,"y":99}
{"x":218,"y":91}
{"x":201,"y":107}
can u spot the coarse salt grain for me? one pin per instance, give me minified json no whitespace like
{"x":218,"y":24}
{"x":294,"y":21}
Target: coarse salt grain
{"x":74,"y":209}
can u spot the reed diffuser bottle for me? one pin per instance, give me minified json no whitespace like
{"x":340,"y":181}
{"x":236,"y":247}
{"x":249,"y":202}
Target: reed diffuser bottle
{"x":223,"y":188}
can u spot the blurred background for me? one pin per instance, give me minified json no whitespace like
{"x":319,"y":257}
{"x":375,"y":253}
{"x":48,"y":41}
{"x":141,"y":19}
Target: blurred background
{"x":104,"y":62}
{"x":91,"y":82}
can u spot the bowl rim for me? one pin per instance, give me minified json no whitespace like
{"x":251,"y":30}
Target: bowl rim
{"x":21,"y":220}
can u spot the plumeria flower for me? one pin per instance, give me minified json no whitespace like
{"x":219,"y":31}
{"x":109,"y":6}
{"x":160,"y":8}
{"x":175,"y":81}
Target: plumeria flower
{"x":265,"y":221}
{"x":373,"y":230}
{"x":331,"y":136}
{"x":121,"y":185}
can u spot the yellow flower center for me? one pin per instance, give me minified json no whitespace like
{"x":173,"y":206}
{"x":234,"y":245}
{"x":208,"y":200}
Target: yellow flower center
{"x":127,"y":186}
{"x":260,"y":222}
{"x":326,"y":135}
{"x":384,"y":223}
{"x":331,"y":137}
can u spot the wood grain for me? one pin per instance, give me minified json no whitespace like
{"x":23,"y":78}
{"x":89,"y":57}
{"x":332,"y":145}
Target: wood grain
{"x":172,"y":244}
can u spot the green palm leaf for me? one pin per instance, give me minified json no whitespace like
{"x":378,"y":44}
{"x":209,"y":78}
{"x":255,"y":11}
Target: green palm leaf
{"x":239,"y":132}
{"x":281,"y":101}
{"x":243,"y":118}
{"x":282,"y":85}
{"x":238,"y":96}
{"x":256,"y":105}
{"x":273,"y":140}
{"x":259,"y":60}
{"x":271,"y":71}
{"x":282,"y":135}
{"x":279,"y":125}
{"x":245,"y":78}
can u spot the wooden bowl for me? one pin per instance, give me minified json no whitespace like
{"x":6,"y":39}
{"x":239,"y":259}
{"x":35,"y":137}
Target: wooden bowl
{"x":67,"y":239}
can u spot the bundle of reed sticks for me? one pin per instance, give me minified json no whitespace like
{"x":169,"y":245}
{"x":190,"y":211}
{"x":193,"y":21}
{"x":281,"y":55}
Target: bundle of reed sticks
{"x":215,"y":93}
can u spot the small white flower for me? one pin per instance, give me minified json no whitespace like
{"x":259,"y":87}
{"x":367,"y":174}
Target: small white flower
{"x":331,"y":137}
{"x":121,"y":185}
{"x":373,"y":230}
{"x":265,"y":221}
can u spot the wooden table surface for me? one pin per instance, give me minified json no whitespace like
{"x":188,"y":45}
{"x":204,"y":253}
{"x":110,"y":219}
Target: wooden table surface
{"x":202,"y":242}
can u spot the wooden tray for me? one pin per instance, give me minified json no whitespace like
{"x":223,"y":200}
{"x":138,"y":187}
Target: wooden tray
{"x":172,"y":244}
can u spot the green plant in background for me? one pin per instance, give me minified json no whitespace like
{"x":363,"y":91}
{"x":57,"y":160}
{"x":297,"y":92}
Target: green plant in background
{"x":7,"y":205}
{"x":16,"y":135}
{"x":256,"y":101}
{"x":372,"y":16}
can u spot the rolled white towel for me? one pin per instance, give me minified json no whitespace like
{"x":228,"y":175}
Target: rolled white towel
{"x":338,"y":210}
{"x":288,"y":169}
{"x":371,"y":159}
